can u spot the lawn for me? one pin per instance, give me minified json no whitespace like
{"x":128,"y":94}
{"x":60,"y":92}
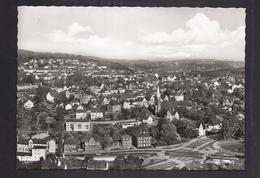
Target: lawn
{"x":235,"y":146}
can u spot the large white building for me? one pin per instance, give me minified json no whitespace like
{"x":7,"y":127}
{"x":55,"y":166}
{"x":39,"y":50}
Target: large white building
{"x":34,"y":150}
{"x":77,"y":125}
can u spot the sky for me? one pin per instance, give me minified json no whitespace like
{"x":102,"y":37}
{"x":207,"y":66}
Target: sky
{"x":134,"y":32}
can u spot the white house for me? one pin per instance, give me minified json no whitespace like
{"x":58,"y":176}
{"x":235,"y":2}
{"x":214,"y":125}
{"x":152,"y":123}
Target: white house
{"x":36,"y":154}
{"x":216,"y":83}
{"x":179,"y":97}
{"x":81,"y":113}
{"x":145,"y":102}
{"x":39,"y":152}
{"x":170,"y":115}
{"x":83,"y":126}
{"x":152,"y":100}
{"x":216,"y":127}
{"x":67,"y":93}
{"x":22,"y":148}
{"x":49,"y":97}
{"x":68,"y":107}
{"x":149,"y":120}
{"x":177,"y":115}
{"x":202,"y":131}
{"x":96,"y":115}
{"x":51,"y":146}
{"x":126,"y":105}
{"x":28,"y":105}
{"x":171,"y":79}
{"x":105,"y":101}
{"x":166,"y":98}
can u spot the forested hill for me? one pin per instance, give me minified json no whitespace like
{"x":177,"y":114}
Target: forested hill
{"x":138,"y":65}
{"x":26,"y":55}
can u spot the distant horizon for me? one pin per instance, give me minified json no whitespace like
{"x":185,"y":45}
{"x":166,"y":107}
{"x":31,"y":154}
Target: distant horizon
{"x":137,"y":59}
{"x":134,"y":33}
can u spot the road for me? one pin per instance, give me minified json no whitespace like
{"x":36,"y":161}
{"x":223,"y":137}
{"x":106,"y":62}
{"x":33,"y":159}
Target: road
{"x":171,"y":149}
{"x":166,"y":157}
{"x":183,"y":154}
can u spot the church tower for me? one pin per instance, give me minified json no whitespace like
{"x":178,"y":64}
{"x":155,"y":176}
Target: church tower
{"x":159,"y":99}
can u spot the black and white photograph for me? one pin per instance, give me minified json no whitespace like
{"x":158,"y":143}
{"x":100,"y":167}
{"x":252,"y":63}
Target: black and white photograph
{"x":130,"y":88}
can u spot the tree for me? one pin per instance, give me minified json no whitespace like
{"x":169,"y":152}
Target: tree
{"x":106,"y":141}
{"x":167,"y":132}
{"x":50,"y":162}
{"x":130,"y":162}
{"x":41,"y":93}
{"x":29,"y":79}
{"x":60,"y":114}
{"x":232,"y":127}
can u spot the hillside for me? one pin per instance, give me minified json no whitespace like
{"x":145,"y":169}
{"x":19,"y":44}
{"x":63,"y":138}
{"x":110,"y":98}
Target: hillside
{"x":158,"y":66}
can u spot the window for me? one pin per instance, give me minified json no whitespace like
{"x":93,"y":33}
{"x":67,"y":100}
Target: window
{"x":79,"y":126}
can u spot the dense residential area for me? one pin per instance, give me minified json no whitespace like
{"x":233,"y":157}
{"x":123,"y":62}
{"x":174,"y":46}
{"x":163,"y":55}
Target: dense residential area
{"x":81,"y":112}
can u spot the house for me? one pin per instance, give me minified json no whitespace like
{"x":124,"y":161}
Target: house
{"x":142,"y":140}
{"x":68,"y":107}
{"x":81,"y":113}
{"x":96,"y":114}
{"x":213,"y":128}
{"x":202,"y":131}
{"x":126,"y":105}
{"x":71,"y":145}
{"x":92,"y":145}
{"x":68,"y":94}
{"x":22,"y":146}
{"x":42,"y":140}
{"x":151,"y":101}
{"x":138,"y":102}
{"x":179,"y":97}
{"x":105,"y":101}
{"x":39,"y":152}
{"x":150,"y":121}
{"x":51,"y":146}
{"x":165,"y":98}
{"x":29,"y":104}
{"x":114,"y":106}
{"x":49,"y":97}
{"x":84,"y":98}
{"x":77,"y":125}
{"x":172,"y":114}
{"x":25,"y":156}
{"x":240,"y":116}
{"x":126,"y":141}
{"x":145,"y":103}
{"x":35,"y":154}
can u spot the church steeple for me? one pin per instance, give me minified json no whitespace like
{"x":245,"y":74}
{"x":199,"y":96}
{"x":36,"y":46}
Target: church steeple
{"x":159,"y":99}
{"x":158,"y":94}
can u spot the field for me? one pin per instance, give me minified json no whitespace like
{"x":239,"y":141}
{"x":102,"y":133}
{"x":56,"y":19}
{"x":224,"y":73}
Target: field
{"x":234,"y":146}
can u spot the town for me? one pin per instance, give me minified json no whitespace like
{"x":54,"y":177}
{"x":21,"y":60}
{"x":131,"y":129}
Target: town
{"x":80,"y":112}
